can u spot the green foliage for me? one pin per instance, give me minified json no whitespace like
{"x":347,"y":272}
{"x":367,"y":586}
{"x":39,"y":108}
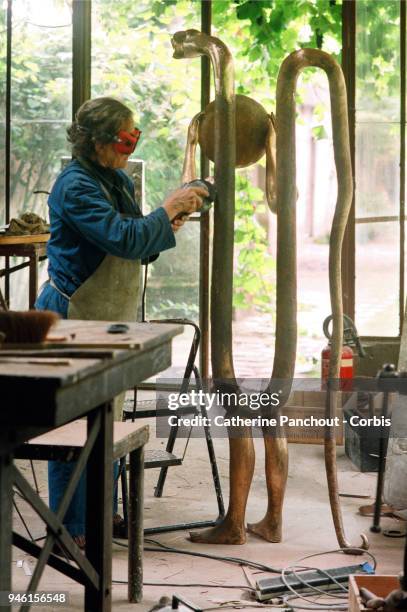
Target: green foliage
{"x":254,"y":268}
{"x":378,"y":59}
{"x":164,"y":93}
{"x":132,"y":59}
{"x":168,"y":309}
{"x":262,"y":33}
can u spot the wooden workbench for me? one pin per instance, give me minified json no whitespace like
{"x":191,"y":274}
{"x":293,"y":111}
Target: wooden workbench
{"x":32,"y":248}
{"x":37,"y":397}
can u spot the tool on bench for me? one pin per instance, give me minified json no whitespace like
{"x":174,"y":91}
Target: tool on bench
{"x":118,"y":328}
{"x":45,"y":362}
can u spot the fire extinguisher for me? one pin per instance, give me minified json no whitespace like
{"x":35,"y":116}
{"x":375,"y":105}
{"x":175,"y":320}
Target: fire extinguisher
{"x":350,"y":338}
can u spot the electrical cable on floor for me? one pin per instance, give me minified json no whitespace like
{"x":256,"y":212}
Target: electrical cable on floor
{"x":190,"y":584}
{"x":291,"y":569}
{"x":236,"y":560}
{"x":239,"y":561}
{"x":306,"y":597}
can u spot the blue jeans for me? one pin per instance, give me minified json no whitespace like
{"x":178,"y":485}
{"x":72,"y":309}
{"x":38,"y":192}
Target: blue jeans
{"x":59,"y":474}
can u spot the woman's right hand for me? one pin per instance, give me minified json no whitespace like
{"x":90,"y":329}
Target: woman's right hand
{"x":185,"y":201}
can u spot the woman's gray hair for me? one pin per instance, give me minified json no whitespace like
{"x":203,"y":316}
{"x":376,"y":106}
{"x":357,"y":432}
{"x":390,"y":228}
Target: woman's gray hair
{"x":97,"y":120}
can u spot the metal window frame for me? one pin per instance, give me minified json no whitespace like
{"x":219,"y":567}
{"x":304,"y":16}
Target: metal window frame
{"x":348,"y":252}
{"x":7,"y":143}
{"x":204,"y":248}
{"x":81,"y":52}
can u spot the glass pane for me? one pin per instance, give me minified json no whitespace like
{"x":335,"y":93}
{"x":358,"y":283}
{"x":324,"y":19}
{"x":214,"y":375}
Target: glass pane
{"x":377,"y":279}
{"x":377,"y":166}
{"x":132,"y":60}
{"x":377,"y":169}
{"x":41,"y":97}
{"x":173,"y":282}
{"x":41,"y":83}
{"x":377,"y":61}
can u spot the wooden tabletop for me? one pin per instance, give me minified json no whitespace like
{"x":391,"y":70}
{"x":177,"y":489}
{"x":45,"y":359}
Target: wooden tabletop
{"x":73,"y":334}
{"x":31,"y":239}
{"x":94,"y":334}
{"x":45,"y":387}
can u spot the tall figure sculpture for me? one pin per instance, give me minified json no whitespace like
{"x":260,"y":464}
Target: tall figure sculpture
{"x":282,"y":195}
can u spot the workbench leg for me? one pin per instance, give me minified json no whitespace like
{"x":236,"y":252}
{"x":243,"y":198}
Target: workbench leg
{"x":99,"y":511}
{"x":136,"y":532}
{"x":6,"y":512}
{"x":7,"y":281}
{"x":33,"y":280}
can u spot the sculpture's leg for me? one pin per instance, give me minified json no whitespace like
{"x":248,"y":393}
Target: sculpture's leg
{"x":231,"y":530}
{"x":270,"y":527}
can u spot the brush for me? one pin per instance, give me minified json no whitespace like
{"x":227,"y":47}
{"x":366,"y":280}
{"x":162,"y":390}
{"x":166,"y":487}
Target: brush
{"x":28,"y":327}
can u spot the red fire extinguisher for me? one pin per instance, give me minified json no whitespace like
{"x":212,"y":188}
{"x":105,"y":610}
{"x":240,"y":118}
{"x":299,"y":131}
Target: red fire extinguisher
{"x":350,"y":337}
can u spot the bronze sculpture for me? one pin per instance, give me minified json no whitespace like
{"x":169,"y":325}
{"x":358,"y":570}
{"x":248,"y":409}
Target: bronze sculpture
{"x":192,"y":43}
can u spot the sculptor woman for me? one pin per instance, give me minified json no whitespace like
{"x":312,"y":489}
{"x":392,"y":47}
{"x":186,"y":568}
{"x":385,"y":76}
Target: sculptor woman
{"x":99,"y":238}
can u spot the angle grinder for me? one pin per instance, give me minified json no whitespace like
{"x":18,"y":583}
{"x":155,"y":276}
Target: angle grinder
{"x":207,"y":201}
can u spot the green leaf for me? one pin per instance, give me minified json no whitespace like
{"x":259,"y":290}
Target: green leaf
{"x":319,"y":132}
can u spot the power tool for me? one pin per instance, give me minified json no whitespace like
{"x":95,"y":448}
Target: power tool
{"x":207,"y":201}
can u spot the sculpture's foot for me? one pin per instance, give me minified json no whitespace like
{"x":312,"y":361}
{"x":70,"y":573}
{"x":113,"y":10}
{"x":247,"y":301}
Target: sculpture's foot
{"x":267,"y":529}
{"x":227,"y":532}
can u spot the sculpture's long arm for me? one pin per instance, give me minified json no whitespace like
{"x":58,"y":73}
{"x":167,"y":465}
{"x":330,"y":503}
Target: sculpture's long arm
{"x":271,"y":165}
{"x":189,"y":167}
{"x":286,"y":324}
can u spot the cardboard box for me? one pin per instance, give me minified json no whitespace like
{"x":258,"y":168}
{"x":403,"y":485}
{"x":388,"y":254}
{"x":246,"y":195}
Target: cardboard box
{"x":379,"y":585}
{"x":307,"y":403}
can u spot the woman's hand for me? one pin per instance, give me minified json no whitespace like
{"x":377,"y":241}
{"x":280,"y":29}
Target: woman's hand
{"x":184,"y":201}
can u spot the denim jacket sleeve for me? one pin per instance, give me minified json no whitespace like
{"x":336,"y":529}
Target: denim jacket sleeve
{"x":87,"y":211}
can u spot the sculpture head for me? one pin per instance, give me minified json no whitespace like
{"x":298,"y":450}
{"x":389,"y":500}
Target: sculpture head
{"x":252,"y":126}
{"x":188,"y":43}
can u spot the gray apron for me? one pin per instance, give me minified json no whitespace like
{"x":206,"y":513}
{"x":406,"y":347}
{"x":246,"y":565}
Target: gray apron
{"x":111,"y":293}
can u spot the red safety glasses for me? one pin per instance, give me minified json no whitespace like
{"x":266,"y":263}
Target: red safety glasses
{"x":126,"y":142}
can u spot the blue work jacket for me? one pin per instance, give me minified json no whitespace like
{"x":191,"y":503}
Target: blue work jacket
{"x":85,"y":226}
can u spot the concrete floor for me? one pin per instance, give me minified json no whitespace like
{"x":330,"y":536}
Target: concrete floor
{"x":188,"y":496}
